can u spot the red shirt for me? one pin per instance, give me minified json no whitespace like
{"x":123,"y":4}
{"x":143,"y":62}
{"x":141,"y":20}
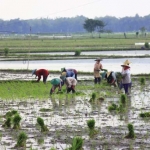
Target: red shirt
{"x":41,"y":72}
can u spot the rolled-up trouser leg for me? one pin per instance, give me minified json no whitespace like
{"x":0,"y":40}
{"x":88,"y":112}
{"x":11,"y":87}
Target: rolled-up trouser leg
{"x":99,"y":79}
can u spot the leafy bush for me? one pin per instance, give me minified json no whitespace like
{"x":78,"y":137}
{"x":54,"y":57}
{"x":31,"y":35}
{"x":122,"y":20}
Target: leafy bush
{"x":146,"y":44}
{"x":6,"y":50}
{"x":77,"y":53}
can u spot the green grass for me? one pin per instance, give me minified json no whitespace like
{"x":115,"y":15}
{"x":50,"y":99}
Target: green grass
{"x":26,"y":90}
{"x":106,"y":42}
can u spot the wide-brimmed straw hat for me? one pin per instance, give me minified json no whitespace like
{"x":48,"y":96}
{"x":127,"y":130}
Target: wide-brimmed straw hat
{"x":127,"y":62}
{"x":124,"y":65}
{"x":98,"y":59}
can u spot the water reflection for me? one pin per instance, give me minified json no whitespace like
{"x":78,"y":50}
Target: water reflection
{"x":138,"y":65}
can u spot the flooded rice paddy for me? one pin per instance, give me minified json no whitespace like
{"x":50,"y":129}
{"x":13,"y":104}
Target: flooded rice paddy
{"x":115,"y":53}
{"x":66,"y":117}
{"x":138,"y":65}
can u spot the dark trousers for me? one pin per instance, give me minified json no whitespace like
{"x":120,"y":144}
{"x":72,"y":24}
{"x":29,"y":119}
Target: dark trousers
{"x":126,"y":87}
{"x":97,"y":80}
{"x":71,"y":89}
{"x":44,"y":79}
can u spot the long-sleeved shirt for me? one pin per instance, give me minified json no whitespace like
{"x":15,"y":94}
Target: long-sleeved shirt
{"x":74,"y":70}
{"x":126,"y":76}
{"x":70,"y":74}
{"x":41,"y":72}
{"x":70,"y":81}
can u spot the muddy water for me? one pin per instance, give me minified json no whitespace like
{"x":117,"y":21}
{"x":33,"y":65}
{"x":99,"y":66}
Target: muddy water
{"x":138,"y":65}
{"x":67,"y":118}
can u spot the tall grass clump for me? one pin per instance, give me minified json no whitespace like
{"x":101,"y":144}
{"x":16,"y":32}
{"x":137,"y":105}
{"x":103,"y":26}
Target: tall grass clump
{"x":21,"y":141}
{"x":77,"y":144}
{"x":131,"y":133}
{"x":40,"y":121}
{"x":77,"y":53}
{"x":91,"y":126}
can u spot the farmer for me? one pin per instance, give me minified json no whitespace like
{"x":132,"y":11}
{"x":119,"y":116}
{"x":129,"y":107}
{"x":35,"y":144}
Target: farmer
{"x":68,"y":73}
{"x":39,"y":73}
{"x":127,"y":62}
{"x":70,"y":83}
{"x":56,"y":83}
{"x":97,"y":68}
{"x":111,"y":78}
{"x":72,"y":70}
{"x":126,"y":77}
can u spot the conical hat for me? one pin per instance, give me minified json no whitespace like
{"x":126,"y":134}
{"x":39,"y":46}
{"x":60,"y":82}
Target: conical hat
{"x":108,"y":73}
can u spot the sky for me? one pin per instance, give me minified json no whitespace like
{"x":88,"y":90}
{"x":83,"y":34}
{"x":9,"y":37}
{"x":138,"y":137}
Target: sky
{"x":36,"y":9}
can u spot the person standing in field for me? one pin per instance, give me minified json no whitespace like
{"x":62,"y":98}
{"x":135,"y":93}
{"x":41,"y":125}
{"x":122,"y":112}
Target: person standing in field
{"x":127,"y":62}
{"x":97,"y":68}
{"x":39,"y":73}
{"x":126,"y":78}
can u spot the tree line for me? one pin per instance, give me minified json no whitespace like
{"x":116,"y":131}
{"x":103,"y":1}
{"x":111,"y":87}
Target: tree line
{"x":78,"y":24}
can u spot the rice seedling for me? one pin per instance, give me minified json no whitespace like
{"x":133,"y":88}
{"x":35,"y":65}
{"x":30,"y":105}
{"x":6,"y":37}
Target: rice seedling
{"x":143,"y":115}
{"x":7,"y":123}
{"x":16,"y":121}
{"x":77,"y":144}
{"x":10,"y":113}
{"x":93,"y":98}
{"x":40,"y":121}
{"x":113,"y":107}
{"x":21,"y":141}
{"x":142,"y":81}
{"x":123,"y":98}
{"x":131,"y":133}
{"x":91,"y":126}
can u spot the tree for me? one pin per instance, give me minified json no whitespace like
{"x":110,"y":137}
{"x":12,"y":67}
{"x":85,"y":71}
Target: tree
{"x":143,"y":29}
{"x":99,"y":25}
{"x":89,"y":25}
